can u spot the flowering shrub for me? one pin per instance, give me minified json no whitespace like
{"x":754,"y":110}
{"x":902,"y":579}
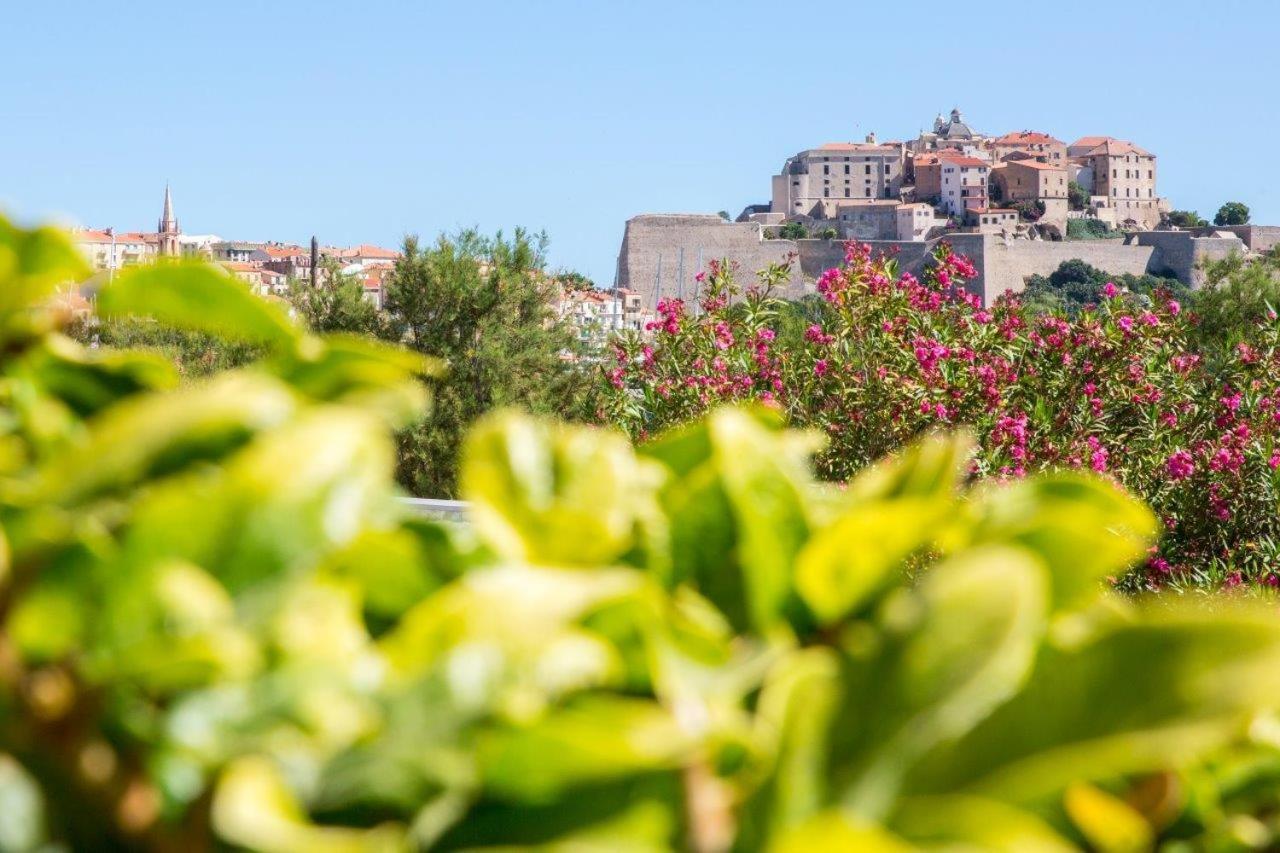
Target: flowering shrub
{"x":1120,"y":389}
{"x":220,"y":631}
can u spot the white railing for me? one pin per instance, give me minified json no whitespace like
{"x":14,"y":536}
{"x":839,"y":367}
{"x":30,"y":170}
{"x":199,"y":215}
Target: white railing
{"x":437,"y":508}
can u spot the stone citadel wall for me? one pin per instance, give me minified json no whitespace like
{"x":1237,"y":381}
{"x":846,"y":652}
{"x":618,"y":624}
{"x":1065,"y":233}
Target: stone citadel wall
{"x":661,"y":254}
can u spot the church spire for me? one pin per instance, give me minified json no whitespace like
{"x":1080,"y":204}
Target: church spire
{"x":167,"y":229}
{"x":168,"y":224}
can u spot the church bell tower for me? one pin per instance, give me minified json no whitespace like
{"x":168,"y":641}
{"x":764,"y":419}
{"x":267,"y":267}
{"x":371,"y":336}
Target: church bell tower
{"x":167,"y":229}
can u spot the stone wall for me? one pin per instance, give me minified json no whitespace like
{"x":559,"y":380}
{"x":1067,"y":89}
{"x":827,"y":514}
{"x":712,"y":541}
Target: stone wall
{"x":1008,"y":264}
{"x":1258,"y":238}
{"x":1178,"y":253}
{"x":653,"y":246}
{"x":651,"y":251}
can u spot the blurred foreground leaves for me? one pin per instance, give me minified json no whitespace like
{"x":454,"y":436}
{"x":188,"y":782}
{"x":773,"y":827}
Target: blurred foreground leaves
{"x":219,"y":627}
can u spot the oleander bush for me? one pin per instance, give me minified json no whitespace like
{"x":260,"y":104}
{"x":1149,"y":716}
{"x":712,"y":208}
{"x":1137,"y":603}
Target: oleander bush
{"x":220,"y":630}
{"x":1125,"y":387}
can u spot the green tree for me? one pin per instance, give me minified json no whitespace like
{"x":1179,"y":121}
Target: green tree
{"x":829,"y":234}
{"x":1186,"y":219}
{"x":1232,"y":213}
{"x":793,"y":231}
{"x":1077,"y":196}
{"x":1239,"y":293}
{"x":483,"y":305}
{"x":1076,"y":283}
{"x":337,"y":305}
{"x":724,"y":214}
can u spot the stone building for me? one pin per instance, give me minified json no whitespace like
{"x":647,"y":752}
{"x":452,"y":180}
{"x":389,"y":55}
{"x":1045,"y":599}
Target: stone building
{"x":1032,"y":180}
{"x":869,"y":219}
{"x":950,"y":133}
{"x":814,"y":182}
{"x":1039,"y":146}
{"x":992,"y":220}
{"x":962,"y":183}
{"x":1122,"y":177}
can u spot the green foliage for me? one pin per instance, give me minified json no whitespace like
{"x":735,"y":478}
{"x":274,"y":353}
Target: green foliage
{"x":1076,"y":284}
{"x":1090,"y":229}
{"x":1232,"y":213}
{"x":829,"y":234}
{"x":1029,"y":211}
{"x":220,"y":630}
{"x":482,"y":305}
{"x":793,"y":231}
{"x":337,"y":305}
{"x":1077,"y":196}
{"x":1186,"y":219}
{"x":1239,"y":295}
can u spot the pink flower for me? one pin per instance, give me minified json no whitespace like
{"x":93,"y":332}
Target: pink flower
{"x":1109,"y":290}
{"x":1125,"y":323}
{"x":1175,"y":308}
{"x":820,"y":367}
{"x":1180,"y":465}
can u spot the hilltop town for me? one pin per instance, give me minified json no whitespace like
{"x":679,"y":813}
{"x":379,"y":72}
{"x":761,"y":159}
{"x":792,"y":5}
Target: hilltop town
{"x":270,"y":268}
{"x":1018,"y":203}
{"x":1024,"y":184}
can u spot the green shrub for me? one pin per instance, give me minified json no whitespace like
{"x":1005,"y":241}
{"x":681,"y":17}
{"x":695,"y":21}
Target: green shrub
{"x":219,"y":627}
{"x":1090,"y":229}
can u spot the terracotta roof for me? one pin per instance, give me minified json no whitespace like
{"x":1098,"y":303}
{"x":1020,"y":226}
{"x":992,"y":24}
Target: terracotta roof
{"x":241,"y":266}
{"x":1034,"y":164}
{"x":89,"y":235}
{"x":1116,"y":147}
{"x":1089,"y":141}
{"x":365,"y":250}
{"x":1027,"y":137}
{"x":285,"y":251}
{"x":961,"y":160}
{"x":991,"y":210}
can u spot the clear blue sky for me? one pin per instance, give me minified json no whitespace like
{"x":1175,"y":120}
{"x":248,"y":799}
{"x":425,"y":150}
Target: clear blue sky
{"x":361,"y":122}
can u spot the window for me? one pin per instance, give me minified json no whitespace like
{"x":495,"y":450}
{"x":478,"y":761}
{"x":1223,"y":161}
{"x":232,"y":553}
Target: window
{"x":868,"y":192}
{"x":826,"y":170}
{"x":826,"y":193}
{"x":1151,"y":174}
{"x":846,"y":168}
{"x":867,"y":169}
{"x":1115,"y":173}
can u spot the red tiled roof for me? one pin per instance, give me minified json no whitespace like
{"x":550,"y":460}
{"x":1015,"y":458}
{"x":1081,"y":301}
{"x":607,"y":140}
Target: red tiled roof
{"x":1027,"y":137}
{"x":1115,"y":147}
{"x":365,"y":250}
{"x":284,"y":251}
{"x":961,"y":160}
{"x":1035,"y":164}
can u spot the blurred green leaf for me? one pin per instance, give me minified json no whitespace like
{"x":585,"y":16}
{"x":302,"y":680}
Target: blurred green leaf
{"x":553,"y":494}
{"x":201,"y":297}
{"x":1109,"y":824}
{"x":22,"y":811}
{"x":1084,"y":528}
{"x":254,"y":809}
{"x":1151,"y":693}
{"x":33,"y":263}
{"x":155,"y":435}
{"x":832,"y":832}
{"x":974,"y":823}
{"x":592,"y":739}
{"x":953,"y":652}
{"x":738,"y":504}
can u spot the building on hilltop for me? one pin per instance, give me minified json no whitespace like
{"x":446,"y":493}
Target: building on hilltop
{"x":1121,"y":180}
{"x":814,"y":182}
{"x":951,"y":180}
{"x":1029,"y":180}
{"x":950,"y":133}
{"x":1029,"y":143}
